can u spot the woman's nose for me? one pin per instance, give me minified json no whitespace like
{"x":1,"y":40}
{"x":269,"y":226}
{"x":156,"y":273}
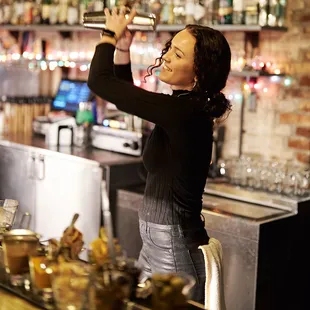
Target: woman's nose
{"x":166,"y":57}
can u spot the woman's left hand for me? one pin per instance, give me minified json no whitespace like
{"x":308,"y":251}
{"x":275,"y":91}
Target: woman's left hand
{"x":117,"y":22}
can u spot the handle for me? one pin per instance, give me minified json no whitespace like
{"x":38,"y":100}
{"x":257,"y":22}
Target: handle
{"x":41,"y":168}
{"x":31,"y":166}
{"x":61,"y":127}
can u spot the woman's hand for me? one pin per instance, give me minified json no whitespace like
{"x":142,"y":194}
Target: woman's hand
{"x":117,"y":22}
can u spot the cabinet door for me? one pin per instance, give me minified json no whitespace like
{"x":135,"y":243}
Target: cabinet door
{"x":17,"y":179}
{"x":66,"y":185}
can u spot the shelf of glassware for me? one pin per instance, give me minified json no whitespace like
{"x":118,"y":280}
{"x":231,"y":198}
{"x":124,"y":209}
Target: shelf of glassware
{"x":160,"y":27}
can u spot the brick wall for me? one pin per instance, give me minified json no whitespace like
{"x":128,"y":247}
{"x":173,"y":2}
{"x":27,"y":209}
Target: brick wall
{"x":280,"y":125}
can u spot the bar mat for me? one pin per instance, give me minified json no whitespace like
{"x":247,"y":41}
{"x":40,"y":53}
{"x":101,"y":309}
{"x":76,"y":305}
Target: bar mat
{"x":34,"y":299}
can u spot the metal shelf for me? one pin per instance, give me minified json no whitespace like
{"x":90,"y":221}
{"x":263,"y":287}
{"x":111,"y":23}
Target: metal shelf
{"x":160,"y":28}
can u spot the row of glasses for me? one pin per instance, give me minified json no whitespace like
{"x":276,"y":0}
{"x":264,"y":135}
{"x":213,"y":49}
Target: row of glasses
{"x":282,"y":177}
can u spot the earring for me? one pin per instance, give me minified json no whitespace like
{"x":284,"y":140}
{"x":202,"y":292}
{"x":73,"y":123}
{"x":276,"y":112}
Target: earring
{"x":195,"y":83}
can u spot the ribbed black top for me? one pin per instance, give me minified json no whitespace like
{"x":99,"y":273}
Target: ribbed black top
{"x":177,"y":154}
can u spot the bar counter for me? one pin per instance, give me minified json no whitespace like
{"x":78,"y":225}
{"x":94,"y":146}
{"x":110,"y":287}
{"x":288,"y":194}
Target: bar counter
{"x":11,"y":302}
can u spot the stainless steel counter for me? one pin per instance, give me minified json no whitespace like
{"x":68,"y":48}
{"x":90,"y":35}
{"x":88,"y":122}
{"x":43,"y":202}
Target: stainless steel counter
{"x":105,"y":158}
{"x":261,"y":243}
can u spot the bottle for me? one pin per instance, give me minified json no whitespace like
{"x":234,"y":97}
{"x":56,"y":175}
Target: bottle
{"x":54,"y":12}
{"x":225,"y":11}
{"x":142,"y":21}
{"x":36,"y":12}
{"x":63,"y":11}
{"x":73,"y":13}
{"x":28,"y":9}
{"x":46,"y":5}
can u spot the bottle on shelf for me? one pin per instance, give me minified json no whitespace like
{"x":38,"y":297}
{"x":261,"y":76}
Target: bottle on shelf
{"x":28,"y":10}
{"x":225,"y":11}
{"x":36,"y":12}
{"x":17,"y":16}
{"x":73,"y":13}
{"x":54,"y":12}
{"x":46,"y":6}
{"x":63,"y":11}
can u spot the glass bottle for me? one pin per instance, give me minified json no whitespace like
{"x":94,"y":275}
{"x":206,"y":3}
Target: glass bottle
{"x":225,"y":12}
{"x":46,"y":6}
{"x":73,"y":13}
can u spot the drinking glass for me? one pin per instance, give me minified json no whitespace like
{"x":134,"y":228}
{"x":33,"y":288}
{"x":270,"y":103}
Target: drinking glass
{"x":171,"y":291}
{"x":18,"y":245}
{"x":70,"y":283}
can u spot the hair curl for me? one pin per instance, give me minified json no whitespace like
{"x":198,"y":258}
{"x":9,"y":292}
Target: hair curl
{"x":211,"y":66}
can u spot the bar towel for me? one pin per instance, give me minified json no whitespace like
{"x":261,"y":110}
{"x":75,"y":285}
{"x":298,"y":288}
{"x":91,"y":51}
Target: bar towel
{"x":214,"y":288}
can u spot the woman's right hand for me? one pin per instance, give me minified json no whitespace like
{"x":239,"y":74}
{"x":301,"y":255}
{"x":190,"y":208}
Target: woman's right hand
{"x":117,"y":22}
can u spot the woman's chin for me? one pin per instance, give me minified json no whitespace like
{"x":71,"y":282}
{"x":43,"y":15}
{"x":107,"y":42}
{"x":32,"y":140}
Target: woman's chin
{"x":162,"y":77}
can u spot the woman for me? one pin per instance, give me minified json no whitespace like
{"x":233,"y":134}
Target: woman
{"x":196,"y":63}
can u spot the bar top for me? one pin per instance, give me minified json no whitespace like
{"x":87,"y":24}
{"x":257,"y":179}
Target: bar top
{"x":101,"y":156}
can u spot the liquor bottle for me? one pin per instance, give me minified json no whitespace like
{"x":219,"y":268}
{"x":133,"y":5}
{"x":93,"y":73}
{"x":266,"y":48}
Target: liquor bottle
{"x":73,"y":13}
{"x":28,"y":8}
{"x":83,"y":8}
{"x":54,"y":12}
{"x":278,"y":11}
{"x":46,"y":6}
{"x":225,"y":11}
{"x":189,"y":11}
{"x":264,"y":12}
{"x":37,"y":13}
{"x":238,"y":12}
{"x":63,"y":11}
{"x":252,"y":14}
{"x":7,"y":11}
{"x":17,"y":17}
{"x":179,"y":12}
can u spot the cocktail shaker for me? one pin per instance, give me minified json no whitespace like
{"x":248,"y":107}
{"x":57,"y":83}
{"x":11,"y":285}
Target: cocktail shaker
{"x":142,"y":21}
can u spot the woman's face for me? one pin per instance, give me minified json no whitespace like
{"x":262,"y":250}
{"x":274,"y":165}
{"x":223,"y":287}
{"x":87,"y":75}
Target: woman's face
{"x":178,"y":66}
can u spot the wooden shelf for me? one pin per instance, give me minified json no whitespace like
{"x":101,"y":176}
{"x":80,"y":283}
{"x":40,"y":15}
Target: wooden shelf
{"x":160,"y":28}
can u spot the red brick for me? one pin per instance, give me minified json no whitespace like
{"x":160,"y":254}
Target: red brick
{"x":300,"y":144}
{"x":303,"y":158}
{"x":305,"y":106}
{"x":294,"y":118}
{"x":305,"y":80}
{"x":304,"y":132}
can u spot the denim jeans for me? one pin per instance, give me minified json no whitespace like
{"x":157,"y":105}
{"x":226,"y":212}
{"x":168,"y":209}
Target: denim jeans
{"x":169,"y":248}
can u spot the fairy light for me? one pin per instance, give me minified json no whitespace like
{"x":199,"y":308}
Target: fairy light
{"x":25,"y":54}
{"x":256,"y":86}
{"x":43,"y":65}
{"x":83,"y":68}
{"x":15,"y":56}
{"x":72,"y":64}
{"x":137,"y":82}
{"x":277,"y":71}
{"x":246,"y":86}
{"x":265,"y":89}
{"x":275,"y":79}
{"x":287,"y":81}
{"x":38,"y":57}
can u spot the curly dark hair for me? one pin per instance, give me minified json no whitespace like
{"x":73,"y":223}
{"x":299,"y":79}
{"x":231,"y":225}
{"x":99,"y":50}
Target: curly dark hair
{"x":211,"y":66}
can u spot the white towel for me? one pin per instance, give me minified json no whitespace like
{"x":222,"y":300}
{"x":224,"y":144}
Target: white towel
{"x":214,"y":288}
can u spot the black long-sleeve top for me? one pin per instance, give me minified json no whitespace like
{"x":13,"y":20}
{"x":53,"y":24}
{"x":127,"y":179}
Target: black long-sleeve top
{"x":177,"y":154}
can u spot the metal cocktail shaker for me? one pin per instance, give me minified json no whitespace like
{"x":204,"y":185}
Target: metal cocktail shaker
{"x":142,"y":21}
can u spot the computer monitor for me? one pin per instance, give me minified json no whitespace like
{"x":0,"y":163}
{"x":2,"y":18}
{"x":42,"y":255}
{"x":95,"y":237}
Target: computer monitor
{"x":70,"y":93}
